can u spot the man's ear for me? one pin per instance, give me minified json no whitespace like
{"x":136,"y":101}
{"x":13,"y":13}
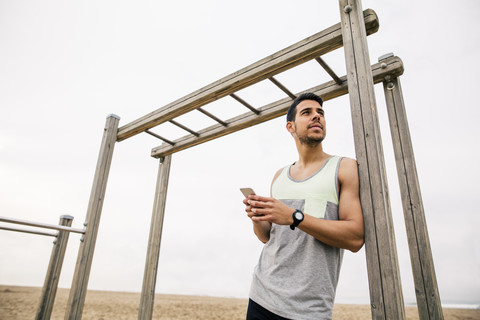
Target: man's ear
{"x":290,"y":127}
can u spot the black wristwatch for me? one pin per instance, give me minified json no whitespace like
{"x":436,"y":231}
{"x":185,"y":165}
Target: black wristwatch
{"x":297,"y":218}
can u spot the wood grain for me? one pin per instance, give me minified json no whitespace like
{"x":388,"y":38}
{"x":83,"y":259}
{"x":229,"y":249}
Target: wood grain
{"x":294,"y":55}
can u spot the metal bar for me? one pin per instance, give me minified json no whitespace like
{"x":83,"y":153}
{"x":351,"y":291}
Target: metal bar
{"x":329,"y":70}
{"x":205,"y":112}
{"x":78,"y":290}
{"x":41,"y":225}
{"x":160,"y":137}
{"x":329,"y":90}
{"x":283,"y":88}
{"x":246,"y":104}
{"x":184,"y":128}
{"x":153,"y":250}
{"x":294,"y":55}
{"x":49,"y":291}
{"x":42,"y":233}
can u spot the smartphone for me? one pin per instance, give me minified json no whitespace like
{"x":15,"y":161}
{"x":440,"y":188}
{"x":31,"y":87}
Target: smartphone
{"x":247,"y":191}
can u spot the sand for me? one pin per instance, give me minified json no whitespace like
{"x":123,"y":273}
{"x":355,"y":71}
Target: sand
{"x":19,"y":303}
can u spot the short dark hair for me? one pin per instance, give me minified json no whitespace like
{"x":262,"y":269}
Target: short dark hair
{"x":305,"y":96}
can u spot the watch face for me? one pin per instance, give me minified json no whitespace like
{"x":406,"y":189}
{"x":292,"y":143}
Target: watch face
{"x":298,"y":215}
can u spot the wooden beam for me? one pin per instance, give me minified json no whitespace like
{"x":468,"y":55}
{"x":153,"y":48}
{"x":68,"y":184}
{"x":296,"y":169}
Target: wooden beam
{"x":184,"y":127}
{"x":78,"y":290}
{"x":382,"y":262}
{"x":153,"y":134}
{"x":212,"y":116}
{"x":296,"y":54}
{"x":49,"y":290}
{"x":426,"y":288}
{"x":246,"y":104}
{"x":392,"y":66}
{"x":329,"y":70}
{"x":153,"y":251}
{"x":282,"y":87}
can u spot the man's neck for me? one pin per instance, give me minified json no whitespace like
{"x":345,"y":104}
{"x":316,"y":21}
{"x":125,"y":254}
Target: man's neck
{"x":309,"y":155}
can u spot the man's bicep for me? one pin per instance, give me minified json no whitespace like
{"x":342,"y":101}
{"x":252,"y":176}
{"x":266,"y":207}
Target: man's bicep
{"x":349,"y":202}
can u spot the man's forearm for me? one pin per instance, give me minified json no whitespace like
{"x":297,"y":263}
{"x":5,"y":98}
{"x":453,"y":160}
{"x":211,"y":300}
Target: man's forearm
{"x":262,"y":230}
{"x":338,"y":233}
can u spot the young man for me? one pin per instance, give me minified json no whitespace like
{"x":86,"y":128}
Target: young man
{"x":313,"y":214}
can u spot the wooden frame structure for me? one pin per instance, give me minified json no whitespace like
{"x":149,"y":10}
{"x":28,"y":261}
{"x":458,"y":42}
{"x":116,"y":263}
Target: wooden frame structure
{"x":382,"y":262}
{"x":50,"y":285}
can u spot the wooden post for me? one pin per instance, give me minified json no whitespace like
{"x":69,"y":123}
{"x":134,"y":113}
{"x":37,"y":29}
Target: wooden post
{"x":45,"y":307}
{"x":426,"y":289}
{"x":153,"y":251}
{"x":78,"y":291}
{"x":382,"y":262}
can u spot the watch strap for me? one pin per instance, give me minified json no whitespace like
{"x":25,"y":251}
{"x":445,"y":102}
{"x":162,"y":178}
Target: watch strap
{"x":296,"y":222}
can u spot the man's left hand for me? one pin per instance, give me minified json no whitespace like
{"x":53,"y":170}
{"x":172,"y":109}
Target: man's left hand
{"x":269,"y":209}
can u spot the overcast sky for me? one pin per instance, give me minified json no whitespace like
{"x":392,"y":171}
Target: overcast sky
{"x":65,"y":66}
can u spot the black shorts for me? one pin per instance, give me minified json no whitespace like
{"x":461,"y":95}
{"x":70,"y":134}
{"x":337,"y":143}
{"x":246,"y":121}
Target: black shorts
{"x":257,"y":312}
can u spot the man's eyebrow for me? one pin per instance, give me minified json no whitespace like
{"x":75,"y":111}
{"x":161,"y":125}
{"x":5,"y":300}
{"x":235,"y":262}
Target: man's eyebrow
{"x":311,"y":107}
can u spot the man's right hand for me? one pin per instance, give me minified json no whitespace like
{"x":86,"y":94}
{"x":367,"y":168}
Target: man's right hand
{"x":260,"y":228}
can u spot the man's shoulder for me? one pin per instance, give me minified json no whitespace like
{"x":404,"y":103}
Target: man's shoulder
{"x":342,"y":161}
{"x":278,"y":172}
{"x":348,"y":169}
{"x":347,"y":161}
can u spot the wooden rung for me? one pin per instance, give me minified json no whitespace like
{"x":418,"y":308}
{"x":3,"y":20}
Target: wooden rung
{"x":234,"y":96}
{"x":305,"y":50}
{"x":160,"y":137}
{"x":223,"y":123}
{"x":282,"y":87}
{"x":329,"y":90}
{"x":196,"y":134}
{"x":329,"y":70}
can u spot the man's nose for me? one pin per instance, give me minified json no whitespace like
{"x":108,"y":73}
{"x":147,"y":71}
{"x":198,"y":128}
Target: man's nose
{"x":316,"y":115}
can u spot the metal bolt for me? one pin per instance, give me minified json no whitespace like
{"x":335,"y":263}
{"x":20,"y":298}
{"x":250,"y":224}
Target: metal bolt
{"x":383,"y":65}
{"x":347,"y":8}
{"x":82,"y":238}
{"x":387,"y":78}
{"x":390,"y":86}
{"x":85,"y":223}
{"x":54,"y":242}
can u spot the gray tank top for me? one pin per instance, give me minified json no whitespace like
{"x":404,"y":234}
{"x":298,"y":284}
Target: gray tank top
{"x":296,"y":276}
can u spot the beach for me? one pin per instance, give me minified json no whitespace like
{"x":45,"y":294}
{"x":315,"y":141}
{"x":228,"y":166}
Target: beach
{"x":20,"y":303}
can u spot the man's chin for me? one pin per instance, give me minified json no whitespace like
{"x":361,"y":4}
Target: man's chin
{"x":311,"y":142}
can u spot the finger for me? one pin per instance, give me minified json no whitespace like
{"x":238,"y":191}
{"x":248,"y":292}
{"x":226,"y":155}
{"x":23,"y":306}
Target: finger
{"x":259,"y":204}
{"x":256,"y":197}
{"x":258,"y":218}
{"x":252,"y":203}
{"x":251,"y":215}
{"x":260,"y":210}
